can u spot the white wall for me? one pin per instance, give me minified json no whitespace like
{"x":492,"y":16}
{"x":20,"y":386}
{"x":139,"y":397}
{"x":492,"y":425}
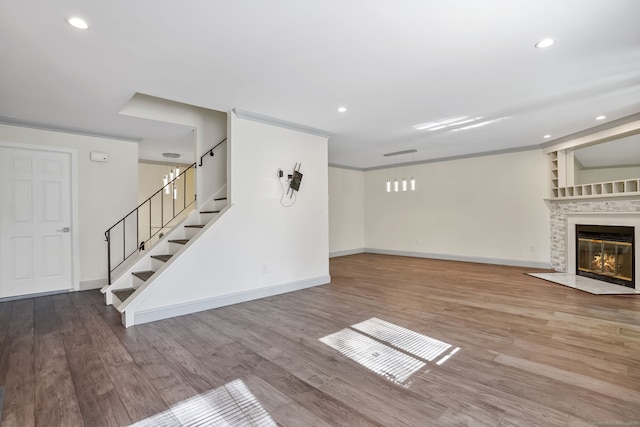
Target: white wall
{"x":346,"y":211}
{"x":593,"y":175}
{"x":212,"y":176}
{"x":210,"y":128}
{"x":486,"y":209}
{"x":106,"y":191}
{"x":257,"y":247}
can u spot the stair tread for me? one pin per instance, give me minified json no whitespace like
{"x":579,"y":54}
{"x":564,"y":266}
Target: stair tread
{"x":123,"y":294}
{"x":179,"y":241}
{"x":143,"y":275}
{"x":163,"y":258}
{"x":206,"y":212}
{"x":194,"y":226}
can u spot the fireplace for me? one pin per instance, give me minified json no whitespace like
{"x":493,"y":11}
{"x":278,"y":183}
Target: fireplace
{"x":606,"y":253}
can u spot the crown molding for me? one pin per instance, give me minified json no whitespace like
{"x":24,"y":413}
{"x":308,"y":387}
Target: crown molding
{"x":615,"y":129}
{"x":460,"y":157}
{"x":351,"y":168}
{"x":42,"y":126}
{"x":248,"y":115}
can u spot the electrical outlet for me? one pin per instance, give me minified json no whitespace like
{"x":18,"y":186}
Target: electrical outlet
{"x":265,"y":268}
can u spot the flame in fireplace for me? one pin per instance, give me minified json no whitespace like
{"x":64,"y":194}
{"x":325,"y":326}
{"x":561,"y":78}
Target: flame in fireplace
{"x":606,"y":263}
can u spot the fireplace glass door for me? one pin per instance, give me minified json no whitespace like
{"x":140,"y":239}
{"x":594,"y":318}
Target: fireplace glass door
{"x":606,"y":258}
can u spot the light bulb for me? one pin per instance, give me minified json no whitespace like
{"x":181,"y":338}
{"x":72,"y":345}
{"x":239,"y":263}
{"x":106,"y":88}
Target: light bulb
{"x":404,"y":184}
{"x":177,"y":172}
{"x":388,"y":186}
{"x":413,"y":184}
{"x":165,"y":181}
{"x":395,"y":185}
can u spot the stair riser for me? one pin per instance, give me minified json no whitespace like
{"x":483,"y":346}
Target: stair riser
{"x":125,"y":281}
{"x":136,"y":281}
{"x":156,"y":264}
{"x":181,"y":234}
{"x":219,"y":205}
{"x":214,"y":205}
{"x":115,"y":302}
{"x":191,"y":232}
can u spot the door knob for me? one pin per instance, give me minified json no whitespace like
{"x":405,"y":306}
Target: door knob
{"x":64,"y":230}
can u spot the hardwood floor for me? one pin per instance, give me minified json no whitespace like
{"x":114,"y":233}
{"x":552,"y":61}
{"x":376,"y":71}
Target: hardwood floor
{"x":532,"y":353}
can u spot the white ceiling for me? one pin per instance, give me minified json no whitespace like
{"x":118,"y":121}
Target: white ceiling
{"x":393,"y":64}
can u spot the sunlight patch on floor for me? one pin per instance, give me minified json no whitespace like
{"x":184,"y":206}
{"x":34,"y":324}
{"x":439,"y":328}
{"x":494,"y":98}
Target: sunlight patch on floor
{"x":419,"y":345}
{"x":230,"y":405}
{"x":379,"y":358}
{"x":389,"y":350}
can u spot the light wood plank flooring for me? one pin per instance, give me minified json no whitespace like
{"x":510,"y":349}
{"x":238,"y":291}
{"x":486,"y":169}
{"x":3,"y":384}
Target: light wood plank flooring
{"x":532,"y":353}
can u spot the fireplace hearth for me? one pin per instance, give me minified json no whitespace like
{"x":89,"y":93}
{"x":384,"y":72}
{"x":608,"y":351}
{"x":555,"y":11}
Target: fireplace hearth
{"x":606,"y":253}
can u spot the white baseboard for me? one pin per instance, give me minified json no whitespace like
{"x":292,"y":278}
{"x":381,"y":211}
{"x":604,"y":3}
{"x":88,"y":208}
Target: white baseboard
{"x":92,"y":284}
{"x":37,"y":295}
{"x":346,"y":252}
{"x":446,"y":257}
{"x":146,"y":316}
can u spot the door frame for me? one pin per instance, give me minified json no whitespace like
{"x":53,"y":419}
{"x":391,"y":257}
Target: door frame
{"x":75,"y":240}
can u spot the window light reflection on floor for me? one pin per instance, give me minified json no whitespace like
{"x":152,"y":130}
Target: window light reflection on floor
{"x":389,"y":350}
{"x":230,"y":405}
{"x":381,"y":359}
{"x":419,"y":345}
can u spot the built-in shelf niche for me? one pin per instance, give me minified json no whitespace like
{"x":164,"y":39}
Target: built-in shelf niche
{"x":559,"y":190}
{"x":621,"y":135}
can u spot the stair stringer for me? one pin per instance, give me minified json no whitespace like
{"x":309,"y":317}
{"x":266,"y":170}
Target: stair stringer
{"x":144,"y":262}
{"x":127,"y":308}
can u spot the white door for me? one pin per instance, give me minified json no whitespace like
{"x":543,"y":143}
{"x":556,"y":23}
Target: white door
{"x":35,"y":221}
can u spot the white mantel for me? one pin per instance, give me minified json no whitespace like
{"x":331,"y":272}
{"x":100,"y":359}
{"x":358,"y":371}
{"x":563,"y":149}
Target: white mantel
{"x":629,"y":219}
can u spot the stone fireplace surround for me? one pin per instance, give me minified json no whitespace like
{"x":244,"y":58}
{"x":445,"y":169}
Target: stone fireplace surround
{"x":565,"y":214}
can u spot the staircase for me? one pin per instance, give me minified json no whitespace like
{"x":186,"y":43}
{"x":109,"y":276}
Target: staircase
{"x":140,"y":275}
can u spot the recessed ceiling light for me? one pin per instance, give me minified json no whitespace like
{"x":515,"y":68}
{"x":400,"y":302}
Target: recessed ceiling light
{"x":342,"y":109}
{"x":547,"y":136}
{"x":78,"y":23}
{"x":601,"y":117}
{"x":544,"y":43}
